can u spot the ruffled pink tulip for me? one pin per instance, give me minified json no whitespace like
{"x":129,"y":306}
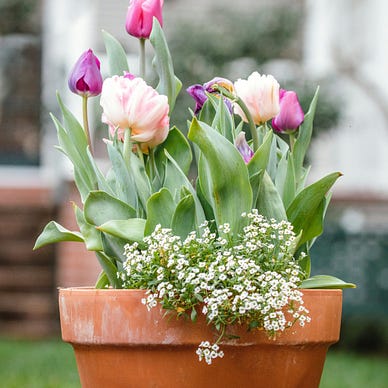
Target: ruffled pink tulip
{"x":129,"y":102}
{"x":291,"y":113}
{"x":260,"y":93}
{"x":140,"y":17}
{"x":85,"y":77}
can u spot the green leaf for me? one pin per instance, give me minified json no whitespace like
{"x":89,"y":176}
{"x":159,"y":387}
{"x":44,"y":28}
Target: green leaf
{"x":53,"y":233}
{"x":117,"y":57}
{"x":285,"y":179}
{"x":91,"y":235}
{"x":160,"y":210}
{"x":269,"y":203}
{"x":305,"y":211}
{"x":183,"y":221}
{"x":223,"y":119}
{"x":223,"y":176}
{"x":110,"y":269}
{"x":129,"y":230}
{"x":169,"y":84}
{"x":260,"y":159}
{"x":123,"y":179}
{"x":302,"y":142}
{"x":102,"y":281}
{"x":100,"y":207}
{"x":175,"y":179}
{"x":178,"y":147}
{"x":325,"y":281}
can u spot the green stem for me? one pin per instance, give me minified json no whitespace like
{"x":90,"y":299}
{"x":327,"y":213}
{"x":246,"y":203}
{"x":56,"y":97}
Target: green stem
{"x":240,"y":102}
{"x":153,"y":170}
{"x":292,"y":141}
{"x":251,"y":124}
{"x":127,"y":146}
{"x":142,"y":59}
{"x":85,"y":121}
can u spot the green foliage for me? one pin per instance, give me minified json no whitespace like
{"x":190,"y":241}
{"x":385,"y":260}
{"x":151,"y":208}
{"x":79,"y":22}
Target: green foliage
{"x":143,"y":190}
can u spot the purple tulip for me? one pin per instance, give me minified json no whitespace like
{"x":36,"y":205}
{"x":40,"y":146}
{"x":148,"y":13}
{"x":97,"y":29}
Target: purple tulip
{"x":85,"y":77}
{"x":243,"y":147}
{"x":198,"y":92}
{"x":291,"y":114}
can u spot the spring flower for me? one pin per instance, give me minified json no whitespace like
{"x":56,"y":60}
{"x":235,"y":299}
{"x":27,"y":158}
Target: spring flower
{"x":291,"y":113}
{"x":198,"y":92}
{"x":243,"y":147}
{"x":140,"y":17}
{"x":85,"y":77}
{"x":260,"y":93}
{"x":131,"y":103}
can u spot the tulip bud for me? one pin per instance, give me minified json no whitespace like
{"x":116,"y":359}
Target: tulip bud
{"x":291,"y":114}
{"x":243,"y":147}
{"x":198,"y":92}
{"x":140,"y":17}
{"x":85,"y":77}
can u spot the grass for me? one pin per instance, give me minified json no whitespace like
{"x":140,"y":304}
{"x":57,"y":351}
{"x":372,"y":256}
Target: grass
{"x":51,"y":364}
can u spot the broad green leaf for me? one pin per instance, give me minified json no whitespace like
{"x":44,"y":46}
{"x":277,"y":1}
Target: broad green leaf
{"x":223,"y":121}
{"x":178,"y":147}
{"x":305,"y":211}
{"x":110,"y":269}
{"x":175,"y":179}
{"x":207,"y":112}
{"x":160,"y":210}
{"x":117,"y":57}
{"x":302,"y":142}
{"x":123,"y":179}
{"x":285,"y":179}
{"x":223,"y":175}
{"x":91,"y":235}
{"x":83,"y":171}
{"x":102,"y":281}
{"x":169,"y":84}
{"x":183,"y":221}
{"x":269,"y":203}
{"x":129,"y":230}
{"x":325,"y":281}
{"x":100,"y":207}
{"x":260,"y":159}
{"x":114,"y":248}
{"x":53,"y":233}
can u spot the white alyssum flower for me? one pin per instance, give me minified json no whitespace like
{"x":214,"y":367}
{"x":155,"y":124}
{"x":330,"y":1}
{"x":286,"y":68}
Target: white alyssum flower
{"x":252,"y":279}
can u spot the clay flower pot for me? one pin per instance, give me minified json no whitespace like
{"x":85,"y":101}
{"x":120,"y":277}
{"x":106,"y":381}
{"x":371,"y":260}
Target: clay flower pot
{"x":118,"y":343}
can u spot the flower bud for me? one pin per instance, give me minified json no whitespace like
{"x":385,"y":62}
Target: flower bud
{"x":198,"y":92}
{"x":260,"y":94}
{"x":85,"y":77}
{"x":243,"y":147}
{"x":291,"y":114}
{"x":140,"y":17}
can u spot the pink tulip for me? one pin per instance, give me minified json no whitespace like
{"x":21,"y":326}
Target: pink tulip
{"x":260,"y":93}
{"x":130,"y":103}
{"x":85,"y":77}
{"x":291,"y":113}
{"x":140,"y":17}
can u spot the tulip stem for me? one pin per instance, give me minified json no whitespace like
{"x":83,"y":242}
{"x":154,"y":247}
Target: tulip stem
{"x":142,"y":59}
{"x":85,"y":121}
{"x":127,"y":146}
{"x":292,"y":141}
{"x":251,"y":124}
{"x":240,"y":102}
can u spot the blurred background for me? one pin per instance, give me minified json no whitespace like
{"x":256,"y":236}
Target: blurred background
{"x":341,"y":45}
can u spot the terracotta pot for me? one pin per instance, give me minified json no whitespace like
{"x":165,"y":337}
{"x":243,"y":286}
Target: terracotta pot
{"x":118,"y":343}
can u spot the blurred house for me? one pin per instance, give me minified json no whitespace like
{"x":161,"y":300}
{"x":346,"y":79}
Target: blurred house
{"x":342,"y":44}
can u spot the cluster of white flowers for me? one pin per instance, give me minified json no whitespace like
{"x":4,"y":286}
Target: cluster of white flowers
{"x":252,"y":279}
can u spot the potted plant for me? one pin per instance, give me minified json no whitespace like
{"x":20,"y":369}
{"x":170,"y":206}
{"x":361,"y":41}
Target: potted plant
{"x":206,"y":276}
